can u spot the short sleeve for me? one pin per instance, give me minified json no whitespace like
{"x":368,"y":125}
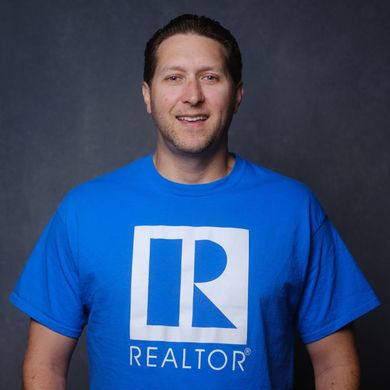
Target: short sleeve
{"x":48,"y":289}
{"x":335,"y":292}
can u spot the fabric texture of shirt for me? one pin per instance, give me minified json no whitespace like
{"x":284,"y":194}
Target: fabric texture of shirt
{"x":181,"y":285}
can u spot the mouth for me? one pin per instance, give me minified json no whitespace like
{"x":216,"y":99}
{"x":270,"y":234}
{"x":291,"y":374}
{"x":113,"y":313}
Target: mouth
{"x":192,"y":118}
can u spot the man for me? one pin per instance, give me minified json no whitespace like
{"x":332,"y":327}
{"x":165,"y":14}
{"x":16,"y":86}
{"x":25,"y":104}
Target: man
{"x":192,"y":267}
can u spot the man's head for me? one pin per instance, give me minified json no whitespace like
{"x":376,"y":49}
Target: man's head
{"x":192,"y":85}
{"x":199,"y":25}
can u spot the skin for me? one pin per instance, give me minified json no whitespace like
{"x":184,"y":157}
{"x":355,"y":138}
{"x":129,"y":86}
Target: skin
{"x":335,"y":361}
{"x":47,"y":359}
{"x":191,"y":80}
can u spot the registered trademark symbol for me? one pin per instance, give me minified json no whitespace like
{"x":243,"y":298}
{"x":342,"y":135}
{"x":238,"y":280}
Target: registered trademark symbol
{"x":247,"y":351}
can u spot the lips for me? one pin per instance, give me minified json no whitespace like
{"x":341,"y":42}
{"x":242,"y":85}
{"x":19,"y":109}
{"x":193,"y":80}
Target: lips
{"x":192,"y":118}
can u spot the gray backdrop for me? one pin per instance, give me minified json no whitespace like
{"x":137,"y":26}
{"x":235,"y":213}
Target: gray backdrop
{"x":316,"y":108}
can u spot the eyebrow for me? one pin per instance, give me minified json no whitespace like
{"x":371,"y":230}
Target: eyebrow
{"x":203,"y":69}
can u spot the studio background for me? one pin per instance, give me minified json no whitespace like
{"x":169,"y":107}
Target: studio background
{"x":316,"y":108}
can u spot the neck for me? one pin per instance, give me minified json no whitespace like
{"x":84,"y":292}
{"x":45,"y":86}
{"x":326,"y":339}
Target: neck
{"x":193,"y":169}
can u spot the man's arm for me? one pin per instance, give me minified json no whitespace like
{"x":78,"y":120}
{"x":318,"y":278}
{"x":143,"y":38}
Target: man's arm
{"x":47,"y":358}
{"x":335,"y":361}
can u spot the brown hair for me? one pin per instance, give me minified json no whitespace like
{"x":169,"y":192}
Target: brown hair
{"x":200,"y":25}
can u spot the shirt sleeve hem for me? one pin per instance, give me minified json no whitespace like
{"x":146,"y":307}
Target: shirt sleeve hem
{"x":339,"y":323}
{"x":42,"y":318}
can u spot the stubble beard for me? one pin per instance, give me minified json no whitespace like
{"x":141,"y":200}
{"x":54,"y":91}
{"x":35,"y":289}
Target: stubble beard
{"x":191,"y":147}
{"x":210,"y":141}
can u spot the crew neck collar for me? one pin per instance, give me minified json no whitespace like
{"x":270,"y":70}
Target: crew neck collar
{"x":196,"y":189}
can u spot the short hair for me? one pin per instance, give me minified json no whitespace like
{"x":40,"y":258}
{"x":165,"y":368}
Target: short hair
{"x":200,"y":25}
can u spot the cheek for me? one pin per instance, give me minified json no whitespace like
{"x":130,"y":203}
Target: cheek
{"x":164,"y":102}
{"x":219,"y":99}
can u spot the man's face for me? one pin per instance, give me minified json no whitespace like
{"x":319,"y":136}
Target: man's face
{"x":192,"y":97}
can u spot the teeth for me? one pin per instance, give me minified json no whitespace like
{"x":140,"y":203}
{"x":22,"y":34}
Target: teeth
{"x":192,"y":118}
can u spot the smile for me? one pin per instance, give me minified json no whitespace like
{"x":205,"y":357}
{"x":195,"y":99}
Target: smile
{"x":186,"y":118}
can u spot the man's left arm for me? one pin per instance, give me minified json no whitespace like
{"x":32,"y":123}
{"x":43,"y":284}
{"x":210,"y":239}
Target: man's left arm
{"x":335,"y":361}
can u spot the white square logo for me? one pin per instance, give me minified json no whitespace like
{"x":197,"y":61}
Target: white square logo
{"x":190,"y":284}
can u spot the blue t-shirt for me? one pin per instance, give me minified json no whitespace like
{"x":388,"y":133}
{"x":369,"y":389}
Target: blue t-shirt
{"x":183,"y":286}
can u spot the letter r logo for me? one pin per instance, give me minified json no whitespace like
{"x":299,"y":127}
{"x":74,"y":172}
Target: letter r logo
{"x":189,"y":284}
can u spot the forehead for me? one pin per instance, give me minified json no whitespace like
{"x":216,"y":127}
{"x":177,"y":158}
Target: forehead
{"x":190,"y":50}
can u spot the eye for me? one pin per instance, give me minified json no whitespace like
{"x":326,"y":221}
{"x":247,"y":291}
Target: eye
{"x":173,"y":77}
{"x":210,"y":77}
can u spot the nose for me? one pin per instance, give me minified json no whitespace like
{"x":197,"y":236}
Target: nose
{"x":193,"y":93}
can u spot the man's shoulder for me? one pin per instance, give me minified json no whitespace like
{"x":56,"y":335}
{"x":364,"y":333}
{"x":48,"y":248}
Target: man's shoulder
{"x":279,"y":192}
{"x":268,"y":180}
{"x":126,"y":175}
{"x":108,"y":185}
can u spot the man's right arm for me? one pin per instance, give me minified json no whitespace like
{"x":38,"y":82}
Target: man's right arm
{"x":47,"y":358}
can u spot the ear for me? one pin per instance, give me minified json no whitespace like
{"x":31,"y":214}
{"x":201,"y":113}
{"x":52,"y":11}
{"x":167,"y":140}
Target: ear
{"x":146,"y":95}
{"x":239,"y":95}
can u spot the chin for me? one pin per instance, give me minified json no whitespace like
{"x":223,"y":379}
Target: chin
{"x":191,"y":144}
{"x":191,"y":150}
{"x":195,"y":149}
